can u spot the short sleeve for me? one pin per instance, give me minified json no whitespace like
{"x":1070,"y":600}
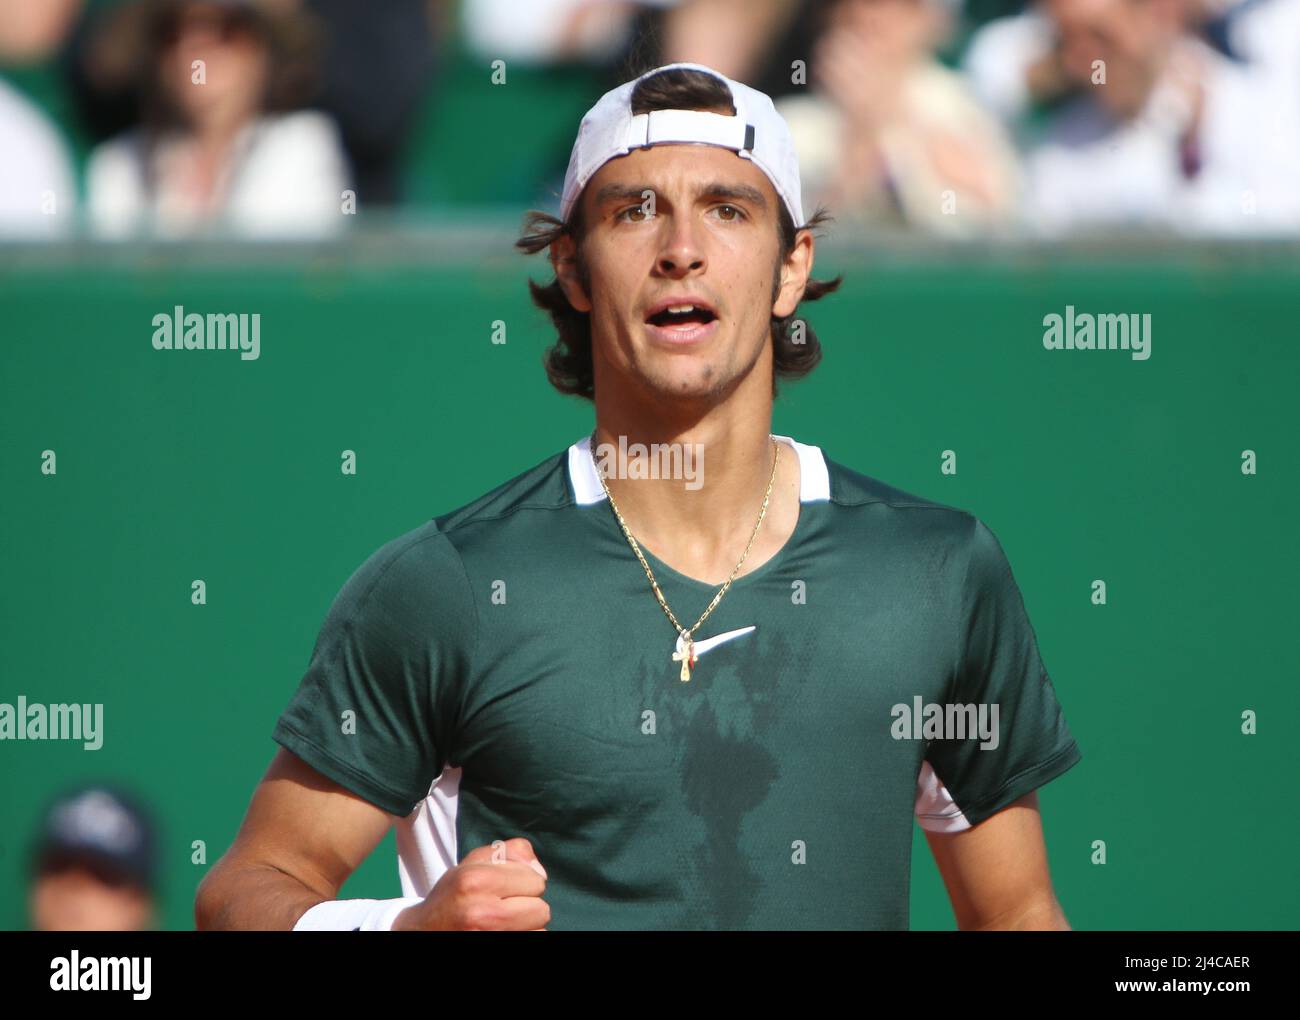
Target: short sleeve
{"x":376,"y":709}
{"x":1024,"y":741}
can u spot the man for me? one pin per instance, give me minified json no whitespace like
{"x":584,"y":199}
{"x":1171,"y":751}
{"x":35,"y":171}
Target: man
{"x":94,"y":864}
{"x":642,"y":701}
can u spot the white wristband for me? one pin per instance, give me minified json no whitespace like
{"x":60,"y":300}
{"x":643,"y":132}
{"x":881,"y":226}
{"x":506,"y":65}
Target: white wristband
{"x":355,"y":915}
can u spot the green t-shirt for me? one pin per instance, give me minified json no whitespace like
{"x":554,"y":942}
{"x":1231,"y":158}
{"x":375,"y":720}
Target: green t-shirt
{"x":505,"y":670}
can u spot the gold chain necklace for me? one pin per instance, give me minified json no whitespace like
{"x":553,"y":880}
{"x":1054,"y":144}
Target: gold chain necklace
{"x":687,"y":655}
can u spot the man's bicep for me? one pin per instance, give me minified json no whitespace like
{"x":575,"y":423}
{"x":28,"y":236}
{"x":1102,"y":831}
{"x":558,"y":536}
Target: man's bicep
{"x":996,"y":872}
{"x":308,"y":826}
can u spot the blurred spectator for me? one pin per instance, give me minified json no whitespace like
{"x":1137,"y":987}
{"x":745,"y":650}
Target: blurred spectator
{"x":1264,"y":32}
{"x":31,"y":31}
{"x":1012,"y":65}
{"x":1129,"y":120}
{"x":37,"y":189}
{"x":216,"y":147}
{"x":94,"y":864}
{"x":1266,"y":35}
{"x":889,"y":136}
{"x":734,"y":37}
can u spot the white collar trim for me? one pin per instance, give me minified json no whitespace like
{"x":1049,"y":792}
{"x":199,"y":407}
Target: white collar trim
{"x":814,"y":478}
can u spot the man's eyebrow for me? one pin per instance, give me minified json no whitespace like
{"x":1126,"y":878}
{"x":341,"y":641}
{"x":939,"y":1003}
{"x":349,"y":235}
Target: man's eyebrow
{"x":621,"y":191}
{"x":743,"y":192}
{"x":715,"y":189}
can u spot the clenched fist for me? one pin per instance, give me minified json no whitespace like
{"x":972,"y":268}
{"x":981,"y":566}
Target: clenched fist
{"x":485,"y":892}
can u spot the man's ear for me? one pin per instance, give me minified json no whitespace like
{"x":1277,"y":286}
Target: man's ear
{"x":564,"y":262}
{"x":796,"y":268}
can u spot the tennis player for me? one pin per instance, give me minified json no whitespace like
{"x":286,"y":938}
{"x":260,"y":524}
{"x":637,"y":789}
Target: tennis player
{"x":607,"y":696}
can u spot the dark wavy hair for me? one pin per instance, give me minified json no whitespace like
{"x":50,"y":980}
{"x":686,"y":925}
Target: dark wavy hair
{"x":568,"y":362}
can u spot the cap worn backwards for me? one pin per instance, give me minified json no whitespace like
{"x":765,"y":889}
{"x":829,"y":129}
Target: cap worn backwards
{"x":756,"y":132}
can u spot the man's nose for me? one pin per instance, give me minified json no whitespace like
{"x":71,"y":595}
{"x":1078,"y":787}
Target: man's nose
{"x":681,"y":252}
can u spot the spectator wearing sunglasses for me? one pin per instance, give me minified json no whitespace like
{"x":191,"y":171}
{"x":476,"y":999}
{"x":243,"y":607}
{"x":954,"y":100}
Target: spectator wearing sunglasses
{"x":222,"y":146}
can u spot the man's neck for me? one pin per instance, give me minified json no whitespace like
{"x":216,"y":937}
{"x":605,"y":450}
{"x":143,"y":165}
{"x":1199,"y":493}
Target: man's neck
{"x":700,"y":525}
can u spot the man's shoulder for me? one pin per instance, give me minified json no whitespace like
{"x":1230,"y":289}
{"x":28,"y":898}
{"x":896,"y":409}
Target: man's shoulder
{"x":904,"y":516}
{"x":951,"y":539}
{"x":433,"y":545}
{"x":544,"y":486}
{"x":854,"y":488}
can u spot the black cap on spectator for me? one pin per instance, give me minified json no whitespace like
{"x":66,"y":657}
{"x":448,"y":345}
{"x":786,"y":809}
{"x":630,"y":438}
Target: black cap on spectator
{"x":100,"y":828}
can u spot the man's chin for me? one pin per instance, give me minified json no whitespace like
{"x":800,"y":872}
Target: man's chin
{"x":697,"y":382}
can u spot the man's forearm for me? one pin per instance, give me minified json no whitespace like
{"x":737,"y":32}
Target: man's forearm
{"x":1040,"y":915}
{"x":252,"y":897}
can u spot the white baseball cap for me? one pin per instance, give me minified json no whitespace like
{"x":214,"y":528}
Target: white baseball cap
{"x":756,"y":132}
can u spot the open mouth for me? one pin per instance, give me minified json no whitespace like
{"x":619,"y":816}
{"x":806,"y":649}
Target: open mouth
{"x":682,"y":315}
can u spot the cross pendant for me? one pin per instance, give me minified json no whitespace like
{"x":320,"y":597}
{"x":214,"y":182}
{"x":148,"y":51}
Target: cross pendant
{"x":686,"y":657}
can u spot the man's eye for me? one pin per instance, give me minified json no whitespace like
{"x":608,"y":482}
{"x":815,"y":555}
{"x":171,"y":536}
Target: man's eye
{"x":739,"y":215}
{"x":624,"y":214}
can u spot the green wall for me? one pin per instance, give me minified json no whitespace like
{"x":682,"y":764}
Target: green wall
{"x":173,"y":466}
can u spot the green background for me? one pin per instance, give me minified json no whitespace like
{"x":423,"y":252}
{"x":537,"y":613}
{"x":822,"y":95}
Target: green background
{"x":174,"y":466}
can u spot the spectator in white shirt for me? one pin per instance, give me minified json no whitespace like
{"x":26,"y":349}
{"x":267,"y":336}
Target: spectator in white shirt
{"x":37,"y":190}
{"x":220,"y":147}
{"x":1142,"y":124}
